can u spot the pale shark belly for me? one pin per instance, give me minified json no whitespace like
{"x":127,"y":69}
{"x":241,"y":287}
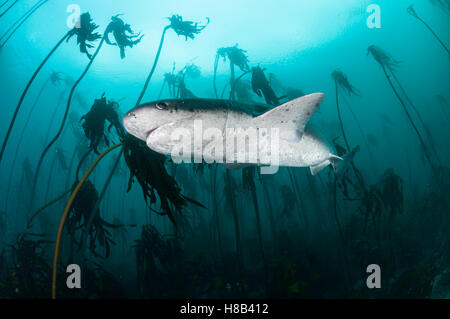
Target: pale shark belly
{"x":224,"y":138}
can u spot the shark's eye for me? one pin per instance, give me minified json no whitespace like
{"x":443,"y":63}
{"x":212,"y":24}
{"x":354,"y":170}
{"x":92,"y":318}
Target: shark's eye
{"x":162,"y":106}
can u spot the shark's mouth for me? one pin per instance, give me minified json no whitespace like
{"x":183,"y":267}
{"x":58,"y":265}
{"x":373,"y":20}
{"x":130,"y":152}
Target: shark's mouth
{"x":151,"y":131}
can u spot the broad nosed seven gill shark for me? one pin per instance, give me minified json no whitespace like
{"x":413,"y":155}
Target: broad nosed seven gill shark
{"x":156,"y":122}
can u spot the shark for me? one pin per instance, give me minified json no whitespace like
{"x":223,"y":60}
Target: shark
{"x":158,"y":122}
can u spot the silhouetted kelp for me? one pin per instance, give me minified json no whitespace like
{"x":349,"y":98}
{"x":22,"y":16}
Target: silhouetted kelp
{"x":236,"y":57}
{"x":177,"y":82}
{"x":85,"y":33}
{"x":444,"y":106}
{"x":95,"y":120}
{"x":413,"y":13}
{"x":123,"y":34}
{"x":87,"y":27}
{"x":29,"y":273}
{"x":152,"y":249}
{"x":18,"y":23}
{"x":341,"y":80}
{"x":261,"y":86}
{"x":185,"y":28}
{"x":248,"y":182}
{"x":388,"y":65}
{"x":100,"y":231}
{"x":149,"y":170}
{"x":55,"y":79}
{"x":8,"y":8}
{"x":295,"y":267}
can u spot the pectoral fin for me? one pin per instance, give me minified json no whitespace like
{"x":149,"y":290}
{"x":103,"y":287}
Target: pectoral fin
{"x":333,"y":160}
{"x":316,"y":169}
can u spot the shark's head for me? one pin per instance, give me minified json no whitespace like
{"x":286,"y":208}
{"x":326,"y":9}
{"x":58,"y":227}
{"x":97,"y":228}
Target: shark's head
{"x":145,"y":118}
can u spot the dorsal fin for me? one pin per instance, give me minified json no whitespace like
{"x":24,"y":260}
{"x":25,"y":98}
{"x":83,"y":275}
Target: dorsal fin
{"x":290,"y":117}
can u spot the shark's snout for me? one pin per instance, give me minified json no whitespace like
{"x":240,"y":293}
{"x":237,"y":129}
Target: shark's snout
{"x":131,"y":124}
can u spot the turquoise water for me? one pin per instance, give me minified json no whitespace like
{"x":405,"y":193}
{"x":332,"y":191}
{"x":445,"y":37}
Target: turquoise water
{"x":391,"y":205}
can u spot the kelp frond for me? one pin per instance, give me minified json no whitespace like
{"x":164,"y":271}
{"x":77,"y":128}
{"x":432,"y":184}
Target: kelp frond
{"x":56,"y":78}
{"x":122,"y":33}
{"x":192,"y":71}
{"x":382,"y":57}
{"x":188,"y":29}
{"x":82,"y":208}
{"x":412,"y":12}
{"x":341,"y":80}
{"x":236,"y":56}
{"x":148,"y":167}
{"x":84,"y":30}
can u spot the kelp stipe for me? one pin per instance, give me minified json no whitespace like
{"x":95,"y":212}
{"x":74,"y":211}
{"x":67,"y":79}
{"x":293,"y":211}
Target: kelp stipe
{"x":248,"y":181}
{"x":54,"y":79}
{"x":413,"y":13}
{"x":16,"y":25}
{"x":444,"y":5}
{"x":341,"y":80}
{"x":84,"y":34}
{"x":443,"y":103}
{"x":8,"y":8}
{"x":185,"y":28}
{"x":66,"y":212}
{"x":388,"y":64}
{"x":16,"y":111}
{"x":237,"y":57}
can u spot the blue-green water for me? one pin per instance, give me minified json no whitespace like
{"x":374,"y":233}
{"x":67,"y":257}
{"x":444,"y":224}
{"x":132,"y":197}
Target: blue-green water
{"x":287,"y":235}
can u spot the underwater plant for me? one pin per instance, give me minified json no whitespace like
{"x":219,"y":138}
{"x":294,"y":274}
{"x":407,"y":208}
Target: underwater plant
{"x":95,"y":120}
{"x":98,"y":231}
{"x":388,"y":65}
{"x":87,"y":26}
{"x":230,"y":195}
{"x":176,"y":82}
{"x":55,"y":79}
{"x":189,"y":71}
{"x":341,"y":81}
{"x":148,"y":168}
{"x":248,"y":181}
{"x":18,"y":23}
{"x":442,"y":4}
{"x":152,"y":250}
{"x":188,"y":29}
{"x":289,"y":200}
{"x":85,"y":33}
{"x":7,"y":9}
{"x":29,"y":275}
{"x":261,"y":86}
{"x":423,"y":276}
{"x":237,"y":57}
{"x":82,"y":28}
{"x":123,"y":34}
{"x":171,"y":80}
{"x":413,"y":13}
{"x":4,"y":3}
{"x":391,"y":191}
{"x":443,"y":103}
